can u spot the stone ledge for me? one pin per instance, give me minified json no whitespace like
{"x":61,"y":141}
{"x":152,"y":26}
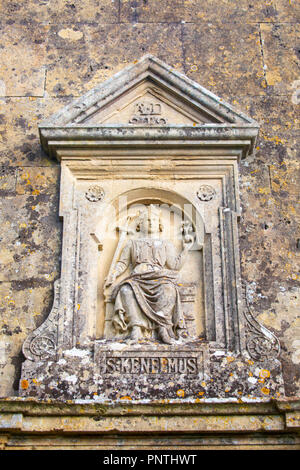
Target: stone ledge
{"x":16,"y":411}
{"x":30,"y":423}
{"x":31,"y":406}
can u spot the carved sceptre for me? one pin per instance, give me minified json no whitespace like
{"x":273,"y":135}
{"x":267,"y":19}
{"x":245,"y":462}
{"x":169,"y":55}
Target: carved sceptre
{"x":123,"y":232}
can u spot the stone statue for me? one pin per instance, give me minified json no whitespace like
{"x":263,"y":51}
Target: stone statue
{"x":148,"y":300}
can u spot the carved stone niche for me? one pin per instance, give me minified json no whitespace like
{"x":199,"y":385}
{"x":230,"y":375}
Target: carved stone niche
{"x":149,"y":304}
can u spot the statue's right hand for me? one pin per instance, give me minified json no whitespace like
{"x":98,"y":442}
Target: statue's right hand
{"x":109,"y":280}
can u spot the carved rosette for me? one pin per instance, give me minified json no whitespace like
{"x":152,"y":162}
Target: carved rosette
{"x":260,"y":347}
{"x":41,"y":344}
{"x":95,"y":193}
{"x":206,"y":193}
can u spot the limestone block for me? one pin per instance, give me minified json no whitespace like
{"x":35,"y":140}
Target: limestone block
{"x":7,"y":180}
{"x":22,"y":69}
{"x":281,"y":56}
{"x":288,"y":11}
{"x":194,"y":11}
{"x":17,"y":299}
{"x":103,"y":51}
{"x":69,"y":67}
{"x":66,"y":12}
{"x":23,"y":307}
{"x":30,"y":240}
{"x":285,"y":180}
{"x":34,"y":180}
{"x":278,"y":116}
{"x":19,"y":131}
{"x":234,"y":56}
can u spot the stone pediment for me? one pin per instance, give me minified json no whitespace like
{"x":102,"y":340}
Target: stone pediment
{"x":150,"y":94}
{"x":146,"y":104}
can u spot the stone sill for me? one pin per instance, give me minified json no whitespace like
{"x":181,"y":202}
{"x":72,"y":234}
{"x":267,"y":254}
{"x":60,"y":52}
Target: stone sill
{"x":32,"y":415}
{"x":27,"y":423}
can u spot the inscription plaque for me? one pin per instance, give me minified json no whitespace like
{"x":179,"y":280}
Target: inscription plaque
{"x":147,"y":114}
{"x":152,"y":362}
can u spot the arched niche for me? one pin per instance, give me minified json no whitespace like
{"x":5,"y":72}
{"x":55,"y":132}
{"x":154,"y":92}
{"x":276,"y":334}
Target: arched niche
{"x":196,"y":276}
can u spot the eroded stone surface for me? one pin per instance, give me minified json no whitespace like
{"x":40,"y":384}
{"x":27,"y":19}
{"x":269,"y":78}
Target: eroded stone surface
{"x":119,"y":323}
{"x":196,"y":12}
{"x":277,"y":143}
{"x":220,"y":59}
{"x":144,"y":373}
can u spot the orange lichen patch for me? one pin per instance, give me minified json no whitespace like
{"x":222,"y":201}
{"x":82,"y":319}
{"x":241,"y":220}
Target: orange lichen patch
{"x":264,"y":373}
{"x":201,"y":393}
{"x":24,"y":384}
{"x":265,"y":390}
{"x":180,"y":393}
{"x":264,"y":190}
{"x":230,"y":359}
{"x":126,"y":398}
{"x":250,"y":362}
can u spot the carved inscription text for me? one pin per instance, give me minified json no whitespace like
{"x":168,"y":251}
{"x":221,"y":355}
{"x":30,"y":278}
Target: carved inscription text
{"x":152,"y":363}
{"x":147,"y":113}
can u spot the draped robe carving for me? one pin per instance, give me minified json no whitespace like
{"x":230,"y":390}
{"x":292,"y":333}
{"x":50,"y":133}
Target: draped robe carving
{"x":148,"y":300}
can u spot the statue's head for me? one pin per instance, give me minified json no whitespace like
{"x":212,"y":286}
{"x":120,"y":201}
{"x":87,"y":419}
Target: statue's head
{"x":149,"y":221}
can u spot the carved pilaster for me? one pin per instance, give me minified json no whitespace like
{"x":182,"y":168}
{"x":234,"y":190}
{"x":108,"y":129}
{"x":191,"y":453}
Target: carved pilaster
{"x":260,"y":342}
{"x":41,"y":344}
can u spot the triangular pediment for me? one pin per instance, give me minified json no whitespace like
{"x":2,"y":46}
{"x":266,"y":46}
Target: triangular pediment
{"x":148,"y":93}
{"x":148,"y":104}
{"x":145,"y":104}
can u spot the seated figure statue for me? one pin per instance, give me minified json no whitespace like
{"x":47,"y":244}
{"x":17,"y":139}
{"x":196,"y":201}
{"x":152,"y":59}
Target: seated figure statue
{"x":148,"y":299}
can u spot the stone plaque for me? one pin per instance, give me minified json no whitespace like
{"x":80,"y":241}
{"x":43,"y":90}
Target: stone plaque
{"x":149,"y":305}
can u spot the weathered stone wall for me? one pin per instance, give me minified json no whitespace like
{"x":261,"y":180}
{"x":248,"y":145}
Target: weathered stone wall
{"x":245,"y":52}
